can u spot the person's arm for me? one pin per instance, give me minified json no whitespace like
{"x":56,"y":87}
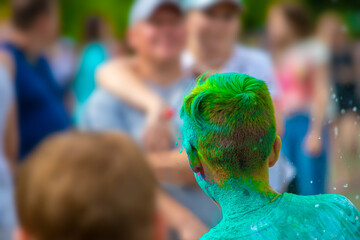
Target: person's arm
{"x":318,"y":110}
{"x":119,"y":77}
{"x":172,"y":167}
{"x":270,"y":77}
{"x":11,"y":137}
{"x":187,"y":225}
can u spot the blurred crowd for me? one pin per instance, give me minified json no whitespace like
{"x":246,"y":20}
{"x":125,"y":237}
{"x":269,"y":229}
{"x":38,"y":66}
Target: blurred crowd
{"x":52,"y":84}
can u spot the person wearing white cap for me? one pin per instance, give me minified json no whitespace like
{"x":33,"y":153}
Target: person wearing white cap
{"x":212,"y":32}
{"x":213,"y":28}
{"x":157,"y":36}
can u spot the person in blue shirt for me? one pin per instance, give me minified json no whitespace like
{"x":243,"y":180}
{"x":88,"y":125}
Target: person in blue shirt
{"x":94,"y":54}
{"x":41,"y":110}
{"x":229,"y":134}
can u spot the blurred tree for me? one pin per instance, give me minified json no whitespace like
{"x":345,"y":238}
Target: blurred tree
{"x":4,"y":9}
{"x":353,"y":18}
{"x":255,"y":12}
{"x":339,"y":5}
{"x":350,"y":9}
{"x":75,"y":12}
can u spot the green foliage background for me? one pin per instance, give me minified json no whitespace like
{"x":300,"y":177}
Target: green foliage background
{"x":74,"y":12}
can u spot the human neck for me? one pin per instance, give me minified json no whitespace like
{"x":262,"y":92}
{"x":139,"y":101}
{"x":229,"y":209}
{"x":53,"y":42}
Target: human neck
{"x":244,"y":196}
{"x":28,"y":42}
{"x":212,"y":59}
{"x":161,"y":73}
{"x":239,"y":196}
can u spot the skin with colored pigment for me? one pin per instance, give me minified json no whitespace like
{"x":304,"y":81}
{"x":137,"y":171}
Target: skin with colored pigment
{"x":229,"y":134}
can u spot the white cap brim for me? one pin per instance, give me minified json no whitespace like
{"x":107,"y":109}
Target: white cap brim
{"x":206,"y":4}
{"x":143,"y":10}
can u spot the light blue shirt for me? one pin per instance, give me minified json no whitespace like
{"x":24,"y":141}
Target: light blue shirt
{"x":7,"y":208}
{"x":6,"y":99}
{"x":104,"y":112}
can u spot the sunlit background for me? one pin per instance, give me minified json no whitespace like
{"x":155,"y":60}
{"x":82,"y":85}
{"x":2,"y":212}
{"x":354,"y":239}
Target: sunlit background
{"x":74,"y":13}
{"x":115,"y":16}
{"x":106,"y":21}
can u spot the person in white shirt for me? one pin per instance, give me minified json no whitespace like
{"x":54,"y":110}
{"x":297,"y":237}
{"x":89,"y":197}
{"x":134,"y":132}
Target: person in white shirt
{"x":212,"y":46}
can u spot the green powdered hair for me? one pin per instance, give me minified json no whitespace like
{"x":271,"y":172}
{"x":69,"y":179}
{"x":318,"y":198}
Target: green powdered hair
{"x":229,"y":122}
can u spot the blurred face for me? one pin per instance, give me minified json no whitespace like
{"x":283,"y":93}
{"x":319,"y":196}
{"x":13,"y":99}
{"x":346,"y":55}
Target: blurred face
{"x":47,"y":26}
{"x":332,"y":31}
{"x":160,"y":38}
{"x":214,"y":27}
{"x":278,"y":29}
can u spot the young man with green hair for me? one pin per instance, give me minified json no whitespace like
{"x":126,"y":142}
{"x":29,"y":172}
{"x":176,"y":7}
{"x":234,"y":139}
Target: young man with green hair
{"x":229,"y":134}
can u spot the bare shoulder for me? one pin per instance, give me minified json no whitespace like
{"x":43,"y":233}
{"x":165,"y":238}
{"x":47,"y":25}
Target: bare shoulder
{"x":6,"y":60}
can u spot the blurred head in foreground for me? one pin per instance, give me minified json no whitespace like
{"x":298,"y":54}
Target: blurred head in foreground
{"x":157,"y":30}
{"x":86,"y":186}
{"x":213,"y":25}
{"x":36,"y":18}
{"x":229,"y":129}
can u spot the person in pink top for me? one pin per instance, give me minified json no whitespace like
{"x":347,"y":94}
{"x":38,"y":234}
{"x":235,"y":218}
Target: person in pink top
{"x":302,"y":69}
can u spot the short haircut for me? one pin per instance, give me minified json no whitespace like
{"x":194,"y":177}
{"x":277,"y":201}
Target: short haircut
{"x":229,"y":121}
{"x":25,"y":12}
{"x":92,"y":29}
{"x":86,"y":186}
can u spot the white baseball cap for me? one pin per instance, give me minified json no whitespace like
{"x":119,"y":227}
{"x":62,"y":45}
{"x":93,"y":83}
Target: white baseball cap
{"x":144,"y":9}
{"x":204,"y":4}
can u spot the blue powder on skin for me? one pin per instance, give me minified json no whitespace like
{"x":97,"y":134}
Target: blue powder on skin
{"x":250,"y":214}
{"x":228,"y":134}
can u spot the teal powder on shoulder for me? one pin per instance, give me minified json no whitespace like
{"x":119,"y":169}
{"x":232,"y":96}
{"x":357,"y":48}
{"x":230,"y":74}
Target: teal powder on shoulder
{"x":229,"y":126}
{"x":248,"y":214}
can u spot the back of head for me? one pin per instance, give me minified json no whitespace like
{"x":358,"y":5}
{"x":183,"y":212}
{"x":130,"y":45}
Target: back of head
{"x":93,"y":29}
{"x":229,"y":122}
{"x":86,"y":186}
{"x":25,"y":12}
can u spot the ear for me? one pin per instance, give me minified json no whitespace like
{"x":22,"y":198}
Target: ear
{"x":194,"y":160}
{"x":274,"y":156}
